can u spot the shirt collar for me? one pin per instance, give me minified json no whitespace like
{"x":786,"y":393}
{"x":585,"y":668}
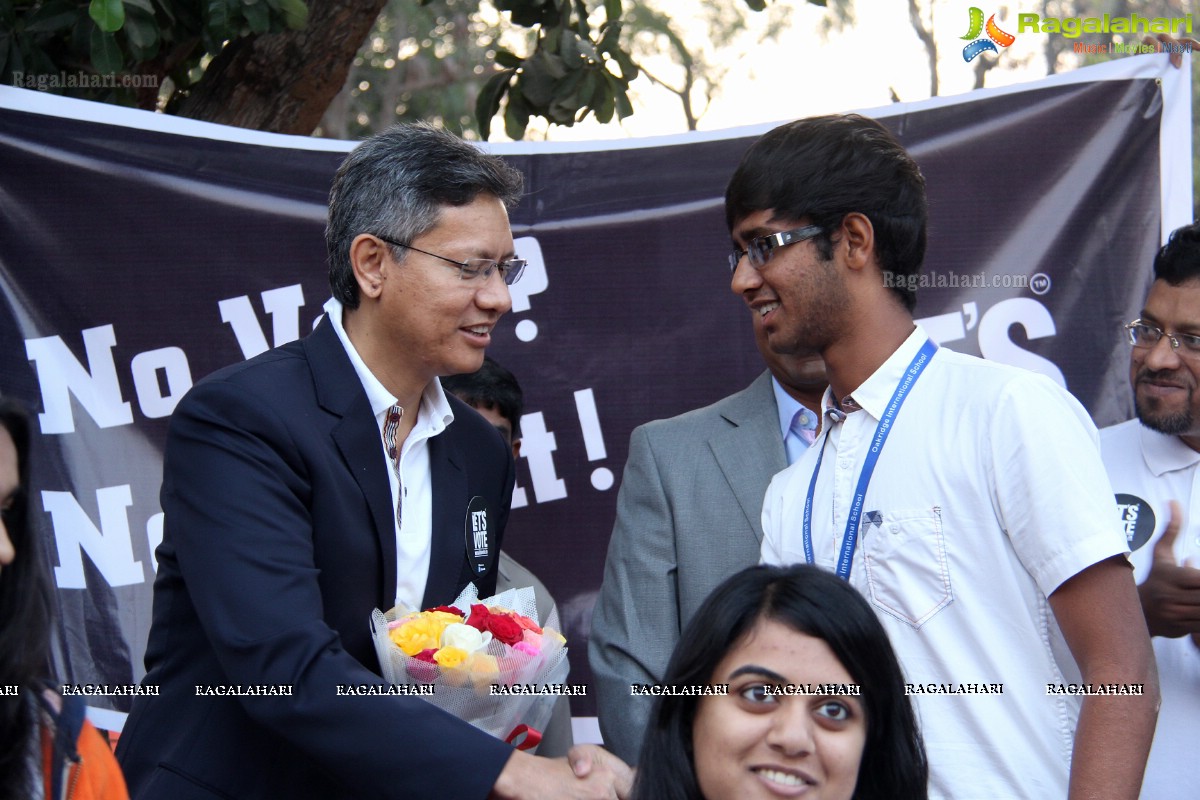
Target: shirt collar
{"x":1165,"y":453}
{"x":876,"y":391}
{"x":786,"y":405}
{"x":434,"y":412}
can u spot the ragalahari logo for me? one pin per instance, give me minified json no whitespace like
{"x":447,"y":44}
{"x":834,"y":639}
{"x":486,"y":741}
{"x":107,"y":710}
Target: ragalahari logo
{"x":994,"y":36}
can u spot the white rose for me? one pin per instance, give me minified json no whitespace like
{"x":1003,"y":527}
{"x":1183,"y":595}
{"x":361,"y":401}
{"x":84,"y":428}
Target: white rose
{"x":465,"y":637}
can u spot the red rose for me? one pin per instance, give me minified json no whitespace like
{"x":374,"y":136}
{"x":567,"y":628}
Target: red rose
{"x":449,"y":610}
{"x":505,"y":629}
{"x":479,"y":617}
{"x":422,"y":668}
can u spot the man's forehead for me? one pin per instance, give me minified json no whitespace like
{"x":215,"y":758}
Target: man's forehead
{"x":763,"y":223}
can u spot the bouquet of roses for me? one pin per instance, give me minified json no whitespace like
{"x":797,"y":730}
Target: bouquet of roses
{"x":471,"y":646}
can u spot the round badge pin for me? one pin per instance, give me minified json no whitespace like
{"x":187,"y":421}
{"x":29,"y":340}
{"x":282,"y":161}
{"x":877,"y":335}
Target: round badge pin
{"x":480,"y":538}
{"x":1137,"y":519}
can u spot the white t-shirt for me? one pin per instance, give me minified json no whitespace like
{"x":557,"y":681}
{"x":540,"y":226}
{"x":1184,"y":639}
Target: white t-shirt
{"x":1148,"y":469}
{"x":988,"y":495}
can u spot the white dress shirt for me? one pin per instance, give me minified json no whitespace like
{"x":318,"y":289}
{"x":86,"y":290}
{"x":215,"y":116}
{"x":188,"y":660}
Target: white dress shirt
{"x":414,"y":532}
{"x":988,"y":495}
{"x":1152,"y":469}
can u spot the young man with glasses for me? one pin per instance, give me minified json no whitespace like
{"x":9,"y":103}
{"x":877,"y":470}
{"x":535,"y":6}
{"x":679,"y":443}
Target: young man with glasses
{"x":331,"y":476}
{"x":964,"y":498}
{"x":1153,"y":463}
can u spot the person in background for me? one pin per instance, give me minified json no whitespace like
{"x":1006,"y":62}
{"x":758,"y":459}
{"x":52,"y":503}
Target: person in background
{"x":815,"y":703}
{"x":1153,"y":462}
{"x":47,"y":747}
{"x":493,"y":391}
{"x":688,"y":516}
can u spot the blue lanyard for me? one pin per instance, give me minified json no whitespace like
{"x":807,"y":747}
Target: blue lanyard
{"x":850,"y":538}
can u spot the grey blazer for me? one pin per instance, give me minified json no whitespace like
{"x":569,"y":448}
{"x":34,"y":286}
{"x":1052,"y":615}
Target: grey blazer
{"x":688,"y":516}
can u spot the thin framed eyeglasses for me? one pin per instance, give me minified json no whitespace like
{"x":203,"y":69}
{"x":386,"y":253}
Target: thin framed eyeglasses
{"x":1143,"y":334}
{"x":760,"y":249}
{"x":472,"y":268}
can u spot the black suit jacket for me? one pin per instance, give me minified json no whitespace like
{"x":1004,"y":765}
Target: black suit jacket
{"x":278,"y":541}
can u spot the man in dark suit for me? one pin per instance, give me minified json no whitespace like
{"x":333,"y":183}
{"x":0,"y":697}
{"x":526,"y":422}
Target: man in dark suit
{"x":331,"y":476}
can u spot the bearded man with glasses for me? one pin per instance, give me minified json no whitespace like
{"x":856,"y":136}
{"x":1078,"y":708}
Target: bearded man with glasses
{"x":332,"y":476}
{"x":1153,"y":463}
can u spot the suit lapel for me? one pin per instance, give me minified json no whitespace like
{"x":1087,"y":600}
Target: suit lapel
{"x":750,"y":451}
{"x":340,"y":392}
{"x":448,"y":543}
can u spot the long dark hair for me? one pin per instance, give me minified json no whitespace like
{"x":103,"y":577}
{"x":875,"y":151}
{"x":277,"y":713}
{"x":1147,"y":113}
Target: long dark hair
{"x":814,"y":602}
{"x":24,"y":620}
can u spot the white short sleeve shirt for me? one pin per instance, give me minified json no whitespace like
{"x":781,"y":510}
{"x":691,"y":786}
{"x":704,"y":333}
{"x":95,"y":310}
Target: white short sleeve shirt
{"x":1149,"y":469}
{"x":988,"y":495}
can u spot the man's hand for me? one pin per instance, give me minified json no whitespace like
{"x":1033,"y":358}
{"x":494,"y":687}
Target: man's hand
{"x":1170,"y":594}
{"x":587,"y":773}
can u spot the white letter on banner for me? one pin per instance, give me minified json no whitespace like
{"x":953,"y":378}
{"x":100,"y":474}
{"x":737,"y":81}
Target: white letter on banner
{"x":240,"y":315}
{"x":995,"y":345}
{"x":111,"y":551}
{"x":537,"y":445}
{"x":145,"y":367}
{"x":59,"y":372}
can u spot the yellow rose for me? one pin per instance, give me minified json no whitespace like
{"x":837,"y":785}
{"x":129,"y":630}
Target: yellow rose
{"x":450,"y":657}
{"x":420,"y":633}
{"x":444,"y":617}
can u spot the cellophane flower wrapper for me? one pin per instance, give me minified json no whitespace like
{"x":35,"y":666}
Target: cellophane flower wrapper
{"x":466,"y":692}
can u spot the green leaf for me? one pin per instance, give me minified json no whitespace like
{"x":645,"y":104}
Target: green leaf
{"x":629,"y":70}
{"x":624,"y":107}
{"x":487,"y":103}
{"x":568,"y":46}
{"x":295,"y":13}
{"x":506,"y":59}
{"x":219,"y":20}
{"x":760,"y":5}
{"x":536,"y":82}
{"x":53,"y":16}
{"x":106,"y":54}
{"x":610,"y":39}
{"x":607,"y":104}
{"x":516,"y":118}
{"x":109,"y":15}
{"x":258,"y":16}
{"x":144,"y":5}
{"x":141,"y":31}
{"x":612,"y":10}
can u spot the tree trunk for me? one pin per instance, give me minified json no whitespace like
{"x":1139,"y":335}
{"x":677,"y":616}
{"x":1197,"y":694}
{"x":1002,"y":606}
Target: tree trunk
{"x":283,"y":82}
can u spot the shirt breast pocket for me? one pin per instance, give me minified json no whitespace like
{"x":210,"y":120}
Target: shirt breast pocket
{"x":907,"y":572}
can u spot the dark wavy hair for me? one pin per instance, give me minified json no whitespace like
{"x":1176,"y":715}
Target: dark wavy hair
{"x":823,"y":168}
{"x":811,"y":601}
{"x":1179,"y":259}
{"x":25,"y":614}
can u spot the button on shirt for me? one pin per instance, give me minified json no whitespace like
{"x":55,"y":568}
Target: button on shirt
{"x":988,"y":495}
{"x":413,"y":487}
{"x":1156,"y":468}
{"x":793,"y":419}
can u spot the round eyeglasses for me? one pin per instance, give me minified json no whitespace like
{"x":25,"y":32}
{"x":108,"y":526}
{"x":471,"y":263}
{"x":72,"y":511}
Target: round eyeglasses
{"x":760,"y":249}
{"x":472,"y":268}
